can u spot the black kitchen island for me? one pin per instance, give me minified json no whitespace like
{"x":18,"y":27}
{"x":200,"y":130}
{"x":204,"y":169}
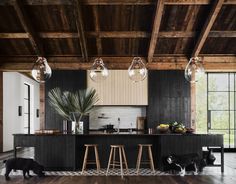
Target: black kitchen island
{"x":66,"y":151}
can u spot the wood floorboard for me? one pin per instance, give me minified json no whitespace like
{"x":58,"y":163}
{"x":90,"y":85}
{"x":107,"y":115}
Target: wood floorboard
{"x":210,"y":175}
{"x":119,"y":180}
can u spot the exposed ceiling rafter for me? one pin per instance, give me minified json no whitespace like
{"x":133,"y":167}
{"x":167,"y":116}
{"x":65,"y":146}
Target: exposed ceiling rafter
{"x":27,"y":25}
{"x":207,"y":27}
{"x":80,"y":29}
{"x":155,"y":29}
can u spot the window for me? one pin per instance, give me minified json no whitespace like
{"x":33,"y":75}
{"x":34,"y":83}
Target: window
{"x":216,"y":106}
{"x":26,"y":114}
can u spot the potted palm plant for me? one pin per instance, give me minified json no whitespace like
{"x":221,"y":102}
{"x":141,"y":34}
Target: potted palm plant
{"x":73,"y":106}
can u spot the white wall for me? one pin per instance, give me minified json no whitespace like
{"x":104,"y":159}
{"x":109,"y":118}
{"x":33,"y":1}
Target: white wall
{"x":127,"y":115}
{"x":13,"y":96}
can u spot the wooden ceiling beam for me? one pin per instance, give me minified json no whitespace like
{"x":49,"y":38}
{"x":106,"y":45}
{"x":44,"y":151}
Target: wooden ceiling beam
{"x":80,"y":29}
{"x":110,"y":59}
{"x":207,"y":27}
{"x":174,"y":64}
{"x":120,"y":34}
{"x":27,"y":25}
{"x":155,"y":29}
{"x":114,"y":2}
{"x":97,"y":29}
{"x":195,"y":2}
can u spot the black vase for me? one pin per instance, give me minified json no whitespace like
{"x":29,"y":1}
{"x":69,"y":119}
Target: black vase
{"x":210,"y":157}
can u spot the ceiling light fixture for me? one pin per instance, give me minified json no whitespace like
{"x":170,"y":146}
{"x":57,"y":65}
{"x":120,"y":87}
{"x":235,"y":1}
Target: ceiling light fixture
{"x":194,"y":70}
{"x":98,"y":71}
{"x":137,"y":70}
{"x":41,"y":71}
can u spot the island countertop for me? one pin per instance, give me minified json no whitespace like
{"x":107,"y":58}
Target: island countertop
{"x":101,"y":133}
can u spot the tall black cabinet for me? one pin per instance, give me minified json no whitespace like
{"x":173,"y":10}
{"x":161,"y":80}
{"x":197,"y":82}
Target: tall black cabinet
{"x":168,"y":98}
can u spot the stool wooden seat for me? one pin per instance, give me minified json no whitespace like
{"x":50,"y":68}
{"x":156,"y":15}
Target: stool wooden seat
{"x":122,"y":159}
{"x":86,"y":161}
{"x":150,"y":161}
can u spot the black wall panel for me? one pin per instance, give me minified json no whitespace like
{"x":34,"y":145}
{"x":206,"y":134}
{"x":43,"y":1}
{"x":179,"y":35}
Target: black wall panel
{"x":70,"y":80}
{"x":168,"y":98}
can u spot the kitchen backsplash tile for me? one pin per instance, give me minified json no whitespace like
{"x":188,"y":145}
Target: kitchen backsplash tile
{"x":103,"y":115}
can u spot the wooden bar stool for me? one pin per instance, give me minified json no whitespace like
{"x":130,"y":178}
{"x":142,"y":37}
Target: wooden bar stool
{"x":86,"y":161}
{"x":122,"y":159}
{"x":150,"y":161}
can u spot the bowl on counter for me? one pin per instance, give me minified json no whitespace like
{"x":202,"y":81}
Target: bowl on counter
{"x":163,"y":128}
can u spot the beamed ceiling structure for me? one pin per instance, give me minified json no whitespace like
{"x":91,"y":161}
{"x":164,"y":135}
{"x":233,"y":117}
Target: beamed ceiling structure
{"x":72,"y":33}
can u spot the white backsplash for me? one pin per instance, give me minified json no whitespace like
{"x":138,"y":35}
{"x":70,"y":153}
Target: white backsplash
{"x":127,"y":115}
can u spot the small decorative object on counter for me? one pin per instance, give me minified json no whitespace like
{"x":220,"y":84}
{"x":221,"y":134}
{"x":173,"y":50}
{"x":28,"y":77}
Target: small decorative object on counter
{"x":118,"y":126}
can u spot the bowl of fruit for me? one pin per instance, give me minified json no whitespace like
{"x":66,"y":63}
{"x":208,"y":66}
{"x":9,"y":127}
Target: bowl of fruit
{"x":176,"y":127}
{"x":163,"y":128}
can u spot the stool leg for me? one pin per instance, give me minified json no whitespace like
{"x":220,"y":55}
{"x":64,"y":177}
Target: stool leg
{"x":114,"y":157}
{"x":85,"y":160}
{"x":97,"y":159}
{"x":121,"y":163}
{"x":151,"y":159}
{"x":109,"y":162}
{"x":125,"y":160}
{"x":139,"y":158}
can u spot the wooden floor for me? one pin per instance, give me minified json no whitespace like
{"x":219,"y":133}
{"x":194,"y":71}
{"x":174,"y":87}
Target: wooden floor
{"x":126,"y":180}
{"x":213,"y":175}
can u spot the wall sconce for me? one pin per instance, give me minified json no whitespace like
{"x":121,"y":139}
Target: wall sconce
{"x":19,"y":110}
{"x":37,"y":113}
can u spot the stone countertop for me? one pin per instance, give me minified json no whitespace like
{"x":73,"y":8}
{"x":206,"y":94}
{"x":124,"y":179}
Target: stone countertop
{"x":101,"y":133}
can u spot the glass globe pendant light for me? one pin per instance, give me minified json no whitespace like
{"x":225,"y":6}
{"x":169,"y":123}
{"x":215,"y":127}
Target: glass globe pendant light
{"x":137,"y":70}
{"x":41,"y":71}
{"x":193,"y":70}
{"x":98,"y":71}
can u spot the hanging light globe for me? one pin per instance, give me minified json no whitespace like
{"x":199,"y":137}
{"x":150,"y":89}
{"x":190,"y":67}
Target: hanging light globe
{"x":137,"y":70}
{"x":194,"y":70}
{"x":98,"y":71}
{"x":41,"y":71}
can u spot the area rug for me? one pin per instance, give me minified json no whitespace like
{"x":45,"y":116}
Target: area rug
{"x":102,"y":172}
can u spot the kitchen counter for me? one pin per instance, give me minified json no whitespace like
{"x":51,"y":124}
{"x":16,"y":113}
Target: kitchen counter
{"x":66,"y":151}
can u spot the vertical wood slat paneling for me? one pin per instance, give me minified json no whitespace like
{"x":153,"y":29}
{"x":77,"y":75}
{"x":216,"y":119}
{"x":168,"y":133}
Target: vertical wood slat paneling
{"x":1,"y":112}
{"x":118,"y":89}
{"x":168,"y":98}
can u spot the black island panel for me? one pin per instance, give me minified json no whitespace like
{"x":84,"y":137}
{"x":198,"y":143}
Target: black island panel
{"x":66,"y":152}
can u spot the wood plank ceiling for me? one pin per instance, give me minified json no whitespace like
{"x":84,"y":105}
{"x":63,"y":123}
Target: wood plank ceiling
{"x":71,"y":33}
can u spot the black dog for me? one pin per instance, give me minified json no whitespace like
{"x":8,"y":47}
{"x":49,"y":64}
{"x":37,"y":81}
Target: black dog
{"x":183,"y":161}
{"x":23,"y":164}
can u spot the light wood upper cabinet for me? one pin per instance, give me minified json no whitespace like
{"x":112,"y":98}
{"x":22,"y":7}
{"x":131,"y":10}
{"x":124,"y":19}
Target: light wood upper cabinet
{"x":118,"y":89}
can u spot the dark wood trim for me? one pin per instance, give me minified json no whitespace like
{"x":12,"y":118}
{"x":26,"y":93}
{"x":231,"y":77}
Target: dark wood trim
{"x":42,"y":105}
{"x":1,"y":112}
{"x":80,"y":29}
{"x":155,"y":29}
{"x":24,"y":19}
{"x":207,"y":26}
